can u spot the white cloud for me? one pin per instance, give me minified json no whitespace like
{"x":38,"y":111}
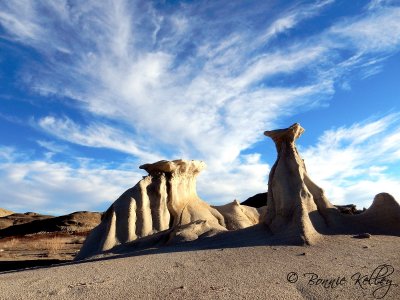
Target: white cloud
{"x":377,"y":4}
{"x":222,"y":183}
{"x":46,"y":186}
{"x":94,"y":135}
{"x":294,"y":16}
{"x":375,"y":33}
{"x":58,"y":188}
{"x":19,"y":21}
{"x":213,"y":100}
{"x":352,"y":163}
{"x":52,"y":146}
{"x":148,"y":80}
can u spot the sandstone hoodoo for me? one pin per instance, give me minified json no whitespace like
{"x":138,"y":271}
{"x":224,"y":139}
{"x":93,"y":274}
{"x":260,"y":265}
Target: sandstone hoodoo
{"x":164,"y":207}
{"x":298,"y":209}
{"x":296,"y":205}
{"x":165,"y":201}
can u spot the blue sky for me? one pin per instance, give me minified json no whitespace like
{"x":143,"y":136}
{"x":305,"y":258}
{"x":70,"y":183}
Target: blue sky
{"x":89,"y":90}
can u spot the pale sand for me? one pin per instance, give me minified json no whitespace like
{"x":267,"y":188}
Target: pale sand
{"x":254,"y":272}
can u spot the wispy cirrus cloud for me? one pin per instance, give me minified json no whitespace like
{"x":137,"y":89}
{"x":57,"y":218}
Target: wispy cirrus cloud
{"x":192,"y":92}
{"x":352,"y":163}
{"x":377,"y":32}
{"x":197,"y":84}
{"x":291,"y":18}
{"x":200,"y":79}
{"x":94,"y":135}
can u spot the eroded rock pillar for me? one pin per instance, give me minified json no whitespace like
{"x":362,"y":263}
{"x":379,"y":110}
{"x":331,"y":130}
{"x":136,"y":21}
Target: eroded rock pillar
{"x":296,"y":206}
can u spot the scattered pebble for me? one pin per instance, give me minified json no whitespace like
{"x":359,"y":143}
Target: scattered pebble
{"x":364,"y":235}
{"x":365,"y":247}
{"x":217,"y":288}
{"x":302,"y":254}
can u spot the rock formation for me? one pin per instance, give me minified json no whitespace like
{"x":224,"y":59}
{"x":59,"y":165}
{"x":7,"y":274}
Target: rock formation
{"x":349,"y":209}
{"x":165,"y":200}
{"x":237,"y":216}
{"x":298,"y":209}
{"x":293,"y":199}
{"x":260,"y":200}
{"x":164,"y":207}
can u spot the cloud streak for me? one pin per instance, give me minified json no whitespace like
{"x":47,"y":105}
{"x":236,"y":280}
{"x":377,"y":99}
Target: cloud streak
{"x":352,"y":163}
{"x":94,"y":135}
{"x":197,"y":80}
{"x":54,"y":187}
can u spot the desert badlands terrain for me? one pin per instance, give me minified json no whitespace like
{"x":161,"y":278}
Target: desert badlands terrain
{"x":159,"y":240}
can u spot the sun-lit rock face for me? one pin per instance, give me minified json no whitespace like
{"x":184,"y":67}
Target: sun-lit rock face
{"x":164,"y":206}
{"x":184,"y":204}
{"x":237,"y":216}
{"x":165,"y":199}
{"x":292,"y":196}
{"x":139,"y":212}
{"x":298,"y":209}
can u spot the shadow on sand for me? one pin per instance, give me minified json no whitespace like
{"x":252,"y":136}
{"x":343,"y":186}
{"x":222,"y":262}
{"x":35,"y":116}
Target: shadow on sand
{"x":258,"y":235}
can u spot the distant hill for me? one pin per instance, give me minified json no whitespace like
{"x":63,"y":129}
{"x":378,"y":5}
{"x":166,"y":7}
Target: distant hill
{"x":31,"y":223}
{"x":260,"y":199}
{"x":257,"y":200}
{"x":5,"y":212}
{"x":18,"y":218}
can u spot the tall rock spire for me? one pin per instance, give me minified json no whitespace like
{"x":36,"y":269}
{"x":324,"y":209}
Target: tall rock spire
{"x":292,"y":196}
{"x":299,"y":211}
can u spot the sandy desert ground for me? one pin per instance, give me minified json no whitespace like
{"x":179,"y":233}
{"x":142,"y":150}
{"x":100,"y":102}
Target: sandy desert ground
{"x":237,"y":266}
{"x":39,"y":249}
{"x":31,"y":239}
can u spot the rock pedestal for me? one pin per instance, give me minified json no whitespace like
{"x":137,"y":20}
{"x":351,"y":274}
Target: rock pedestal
{"x":184,"y":204}
{"x":164,"y":206}
{"x":293,"y":199}
{"x":299,"y":211}
{"x":165,"y":200}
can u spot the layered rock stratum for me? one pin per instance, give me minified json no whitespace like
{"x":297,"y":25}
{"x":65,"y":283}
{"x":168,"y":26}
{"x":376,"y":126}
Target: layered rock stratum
{"x":164,"y":207}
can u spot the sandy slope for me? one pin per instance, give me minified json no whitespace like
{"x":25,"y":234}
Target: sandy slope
{"x":5,"y":212}
{"x":256,"y":272}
